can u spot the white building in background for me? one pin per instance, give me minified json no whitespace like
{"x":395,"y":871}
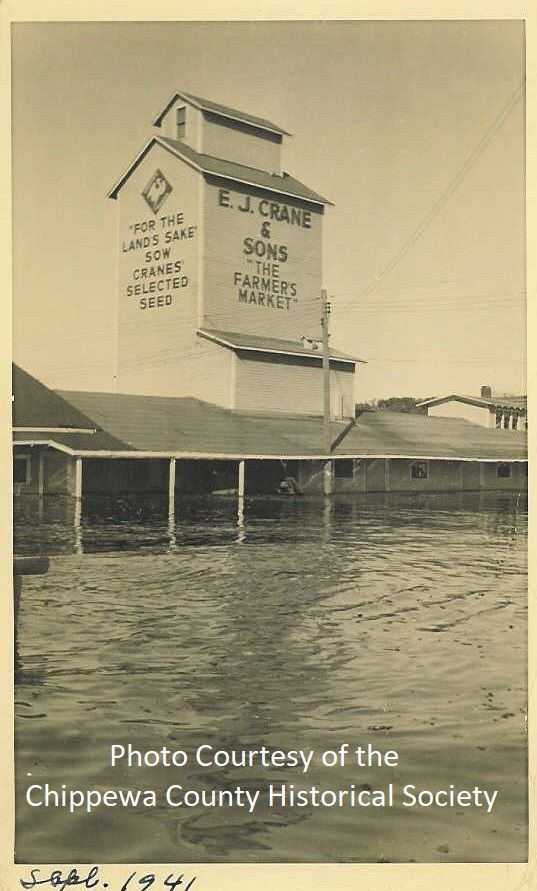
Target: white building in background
{"x":505,"y":412}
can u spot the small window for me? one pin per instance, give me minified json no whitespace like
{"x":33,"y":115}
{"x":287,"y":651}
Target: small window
{"x":181,"y":122}
{"x":344,"y":469}
{"x":503,"y":471}
{"x":419,"y":470}
{"x":21,"y":469}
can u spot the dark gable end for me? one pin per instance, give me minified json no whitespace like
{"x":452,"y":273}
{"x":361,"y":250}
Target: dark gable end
{"x":35,"y":405}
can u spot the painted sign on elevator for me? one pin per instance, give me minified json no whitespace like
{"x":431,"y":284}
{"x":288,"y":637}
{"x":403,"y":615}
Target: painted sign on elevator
{"x":264,"y":255}
{"x":153,"y":267}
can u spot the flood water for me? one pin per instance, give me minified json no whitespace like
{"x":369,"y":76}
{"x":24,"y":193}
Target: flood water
{"x":294,"y":624}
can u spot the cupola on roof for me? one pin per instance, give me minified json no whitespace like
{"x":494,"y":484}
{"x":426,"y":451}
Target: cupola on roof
{"x":220,"y":110}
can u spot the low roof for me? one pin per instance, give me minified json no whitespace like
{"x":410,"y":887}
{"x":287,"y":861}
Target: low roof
{"x":256,"y":343}
{"x":517,"y":402}
{"x":97,"y":423}
{"x":222,"y":110}
{"x":416,"y":435}
{"x":72,"y":441}
{"x":35,"y":405}
{"x":280,"y":184}
{"x":168,"y":425}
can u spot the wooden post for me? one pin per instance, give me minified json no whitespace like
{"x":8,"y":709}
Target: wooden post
{"x":240,"y":520}
{"x":79,"y":549}
{"x":171,"y":489}
{"x":240,"y":501}
{"x":387,"y":481}
{"x":241,"y":479}
{"x":327,"y":518}
{"x":328,"y":483}
{"x":481,"y":475}
{"x":25,"y":566}
{"x":363,"y":467}
{"x":171,"y":507}
{"x":41,"y":473}
{"x":78,"y":478}
{"x":328,"y":477}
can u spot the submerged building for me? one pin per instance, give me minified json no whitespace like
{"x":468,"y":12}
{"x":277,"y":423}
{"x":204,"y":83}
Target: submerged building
{"x":105,"y":443}
{"x":219,"y":379}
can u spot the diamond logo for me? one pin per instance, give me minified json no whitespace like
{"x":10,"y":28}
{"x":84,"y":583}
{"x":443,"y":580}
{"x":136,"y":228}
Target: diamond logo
{"x":156,"y":191}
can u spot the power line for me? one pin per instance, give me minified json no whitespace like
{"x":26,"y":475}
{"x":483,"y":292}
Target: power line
{"x":474,"y":155}
{"x":437,"y":361}
{"x":439,"y":308}
{"x":448,"y":298}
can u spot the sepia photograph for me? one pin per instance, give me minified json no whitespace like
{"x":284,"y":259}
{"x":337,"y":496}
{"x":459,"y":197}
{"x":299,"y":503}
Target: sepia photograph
{"x":270,"y":461}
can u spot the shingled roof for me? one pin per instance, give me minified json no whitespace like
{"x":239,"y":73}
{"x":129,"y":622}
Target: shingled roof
{"x":399,"y":434}
{"x":107,"y":423}
{"x":280,"y":184}
{"x":222,"y":110}
{"x":168,"y":425}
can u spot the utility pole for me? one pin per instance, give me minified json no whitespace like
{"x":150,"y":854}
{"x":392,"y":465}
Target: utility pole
{"x":327,"y":436}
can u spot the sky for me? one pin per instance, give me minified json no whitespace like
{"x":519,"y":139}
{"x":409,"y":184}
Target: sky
{"x":413,"y":129}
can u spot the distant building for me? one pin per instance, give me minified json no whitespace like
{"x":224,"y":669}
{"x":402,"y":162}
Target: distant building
{"x":504,"y":412}
{"x":220,"y":268}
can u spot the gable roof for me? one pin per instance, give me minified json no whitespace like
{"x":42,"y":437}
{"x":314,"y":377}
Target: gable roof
{"x":283,"y":184}
{"x":515,"y":402}
{"x":223,"y":110}
{"x":257,"y":344}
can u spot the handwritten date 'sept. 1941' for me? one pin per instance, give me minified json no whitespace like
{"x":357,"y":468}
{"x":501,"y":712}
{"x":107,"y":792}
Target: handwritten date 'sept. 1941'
{"x":133,"y":882}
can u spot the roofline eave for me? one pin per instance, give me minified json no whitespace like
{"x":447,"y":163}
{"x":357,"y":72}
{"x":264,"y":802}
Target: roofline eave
{"x":489,"y":404}
{"x":233,"y":117}
{"x":113,"y":193}
{"x":280,"y":352}
{"x":252,"y":456}
{"x":157,"y":140}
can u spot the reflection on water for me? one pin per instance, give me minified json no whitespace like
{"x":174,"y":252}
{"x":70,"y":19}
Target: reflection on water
{"x":293,"y":623}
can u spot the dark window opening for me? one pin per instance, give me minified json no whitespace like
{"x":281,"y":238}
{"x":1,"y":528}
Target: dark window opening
{"x":503,"y":471}
{"x":419,"y":470}
{"x":21,"y":470}
{"x":181,"y":122}
{"x":344,"y":469}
